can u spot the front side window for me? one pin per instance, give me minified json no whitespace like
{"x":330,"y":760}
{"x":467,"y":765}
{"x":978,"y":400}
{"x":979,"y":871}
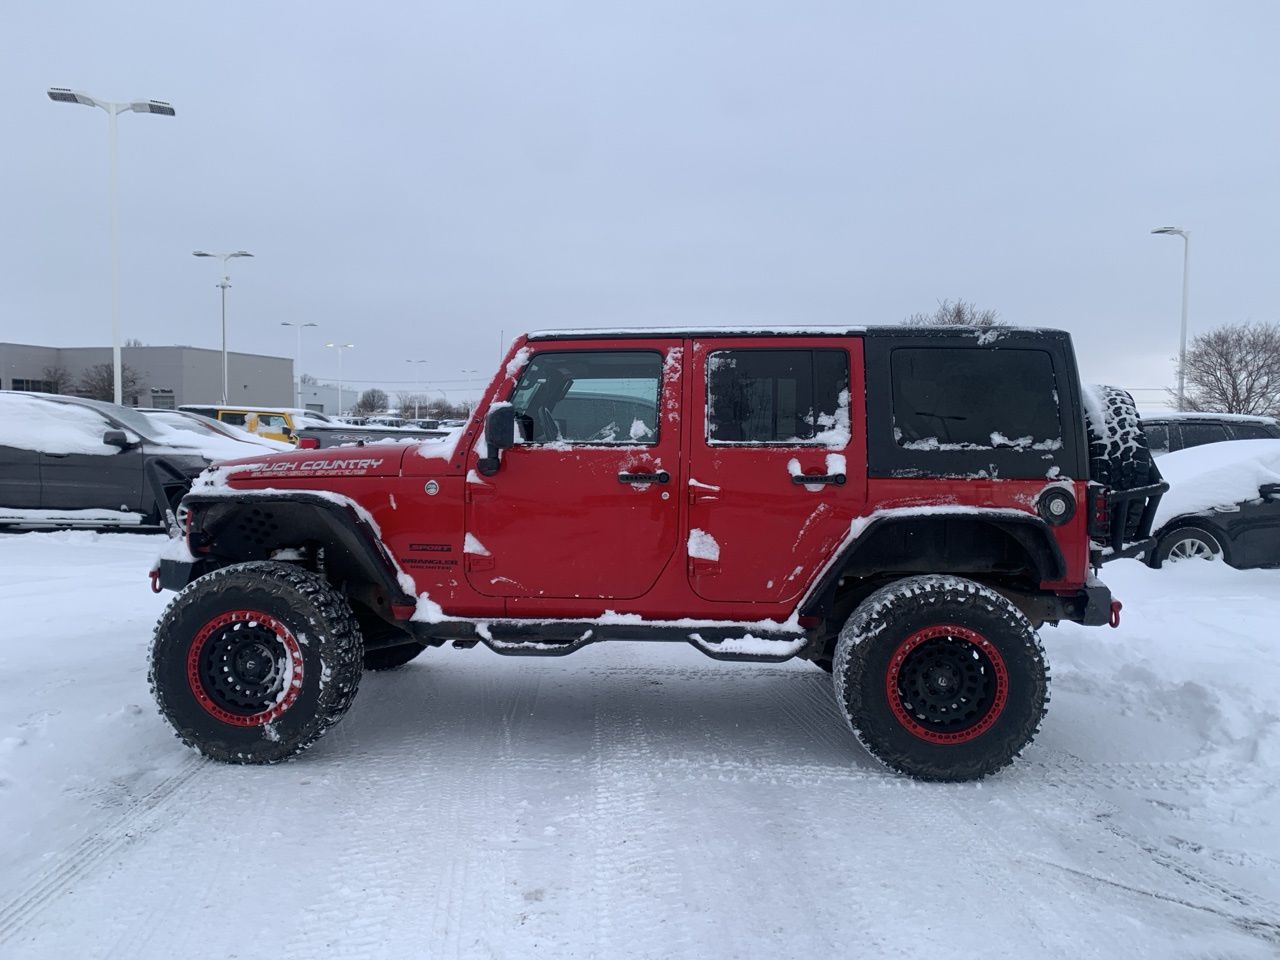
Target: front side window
{"x":589,"y":397}
{"x":785,"y":397}
{"x":1252,"y":431}
{"x":966,"y":399}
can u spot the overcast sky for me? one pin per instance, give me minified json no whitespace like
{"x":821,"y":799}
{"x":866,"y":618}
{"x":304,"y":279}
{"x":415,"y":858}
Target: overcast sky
{"x":417,"y":178}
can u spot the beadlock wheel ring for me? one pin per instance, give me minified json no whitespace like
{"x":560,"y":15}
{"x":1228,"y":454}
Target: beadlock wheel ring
{"x":263,"y":631}
{"x":947,"y":684}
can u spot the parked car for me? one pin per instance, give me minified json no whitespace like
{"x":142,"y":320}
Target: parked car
{"x":276,"y":423}
{"x":1177,"y":431}
{"x":761,"y":495}
{"x":66,"y":462}
{"x":1223,"y":503}
{"x":199,"y":424}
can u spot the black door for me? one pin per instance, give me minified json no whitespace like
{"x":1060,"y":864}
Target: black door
{"x":19,"y":478}
{"x":82,"y":481}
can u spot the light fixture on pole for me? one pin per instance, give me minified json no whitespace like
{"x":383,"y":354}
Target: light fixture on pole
{"x":1186,"y":269}
{"x":113,"y":109}
{"x":424,"y":388}
{"x":340,"y":347}
{"x":223,"y":284}
{"x":298,"y":354}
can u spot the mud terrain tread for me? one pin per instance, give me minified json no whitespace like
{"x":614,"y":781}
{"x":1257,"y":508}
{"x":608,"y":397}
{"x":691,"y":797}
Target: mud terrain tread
{"x":1119,"y":456}
{"x":334,"y":642}
{"x":876,"y":624}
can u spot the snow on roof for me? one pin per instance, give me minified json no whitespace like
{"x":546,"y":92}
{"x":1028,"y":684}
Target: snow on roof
{"x":30,"y":423}
{"x":1216,"y":475}
{"x":1234,"y":417}
{"x":983,"y":334}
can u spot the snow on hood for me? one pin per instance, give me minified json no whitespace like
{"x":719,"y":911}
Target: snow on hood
{"x":1216,"y":475}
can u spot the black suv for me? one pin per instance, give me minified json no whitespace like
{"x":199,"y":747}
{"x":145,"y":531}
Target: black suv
{"x":1174,"y":431}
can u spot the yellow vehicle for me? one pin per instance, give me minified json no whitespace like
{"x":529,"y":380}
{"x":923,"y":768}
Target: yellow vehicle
{"x":276,"y":423}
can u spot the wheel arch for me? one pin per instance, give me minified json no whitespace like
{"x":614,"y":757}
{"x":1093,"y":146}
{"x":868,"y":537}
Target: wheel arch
{"x":997,"y":545}
{"x":235,"y":529}
{"x":1193,"y":521}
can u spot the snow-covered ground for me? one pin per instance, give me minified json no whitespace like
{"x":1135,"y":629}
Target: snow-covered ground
{"x":636,"y":800}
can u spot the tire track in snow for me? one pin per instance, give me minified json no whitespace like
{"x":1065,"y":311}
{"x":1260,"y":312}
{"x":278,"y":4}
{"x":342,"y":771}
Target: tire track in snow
{"x":77,"y":862}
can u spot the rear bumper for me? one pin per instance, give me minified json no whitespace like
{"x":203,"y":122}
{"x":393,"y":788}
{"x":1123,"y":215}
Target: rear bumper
{"x":1097,"y":604}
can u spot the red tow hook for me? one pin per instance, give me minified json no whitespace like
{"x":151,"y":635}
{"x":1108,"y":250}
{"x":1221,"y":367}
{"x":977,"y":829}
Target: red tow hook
{"x":1116,"y":607}
{"x":156,"y":588}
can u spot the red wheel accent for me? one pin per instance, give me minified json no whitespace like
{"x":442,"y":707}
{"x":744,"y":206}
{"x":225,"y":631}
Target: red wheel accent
{"x":291,"y":684}
{"x":983,"y":647}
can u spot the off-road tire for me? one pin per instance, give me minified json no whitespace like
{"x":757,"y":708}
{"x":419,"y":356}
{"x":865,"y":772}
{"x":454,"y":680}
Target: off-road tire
{"x":1161,"y":555}
{"x":869,"y":660}
{"x":1119,"y":457}
{"x":392,"y":658}
{"x":314,"y":695}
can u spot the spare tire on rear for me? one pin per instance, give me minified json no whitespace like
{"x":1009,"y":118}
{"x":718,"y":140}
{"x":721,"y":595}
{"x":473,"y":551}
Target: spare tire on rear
{"x":1119,"y":457}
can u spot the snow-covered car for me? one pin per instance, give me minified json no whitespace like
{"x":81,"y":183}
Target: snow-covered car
{"x":1223,"y":502}
{"x":72,"y":462}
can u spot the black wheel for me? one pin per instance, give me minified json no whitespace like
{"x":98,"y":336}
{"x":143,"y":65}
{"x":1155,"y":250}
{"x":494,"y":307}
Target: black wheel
{"x":941,"y":678}
{"x":391,"y":658}
{"x":252,"y":663}
{"x":1119,"y":457}
{"x":1187,"y":543}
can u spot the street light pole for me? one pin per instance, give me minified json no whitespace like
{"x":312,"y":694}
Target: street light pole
{"x":223,"y":284}
{"x":113,"y":110}
{"x":1186,"y":272}
{"x":415,"y":396}
{"x":298,"y":353}
{"x":340,"y":347}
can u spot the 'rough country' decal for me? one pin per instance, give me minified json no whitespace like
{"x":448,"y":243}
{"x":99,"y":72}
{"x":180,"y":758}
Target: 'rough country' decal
{"x":331,"y":467}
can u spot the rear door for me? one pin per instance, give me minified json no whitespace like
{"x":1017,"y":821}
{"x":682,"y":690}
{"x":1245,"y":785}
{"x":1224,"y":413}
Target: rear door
{"x":583,"y":505}
{"x":767,"y":414}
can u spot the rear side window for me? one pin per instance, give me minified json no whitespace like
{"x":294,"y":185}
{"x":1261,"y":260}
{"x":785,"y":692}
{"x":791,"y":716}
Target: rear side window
{"x":1196,"y":434}
{"x":1252,"y":431}
{"x":595,"y":397}
{"x":783,"y":397}
{"x":235,"y":419}
{"x":968,"y":399}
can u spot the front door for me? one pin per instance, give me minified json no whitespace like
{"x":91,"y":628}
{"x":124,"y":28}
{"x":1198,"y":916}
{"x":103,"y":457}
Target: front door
{"x":777,"y":467}
{"x":586,"y":504}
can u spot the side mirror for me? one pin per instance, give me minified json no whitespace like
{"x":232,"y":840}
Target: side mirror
{"x":1269,"y":492}
{"x":117,"y":438}
{"x":499,"y":435}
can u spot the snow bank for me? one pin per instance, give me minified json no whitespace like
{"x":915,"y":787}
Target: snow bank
{"x":1216,"y":475}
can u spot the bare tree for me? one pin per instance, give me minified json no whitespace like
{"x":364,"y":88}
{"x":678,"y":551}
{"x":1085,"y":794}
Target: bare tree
{"x":410,"y":403}
{"x":957,"y":313}
{"x":1234,"y":369}
{"x":98,"y":382}
{"x":372,"y":400}
{"x":57,"y":377}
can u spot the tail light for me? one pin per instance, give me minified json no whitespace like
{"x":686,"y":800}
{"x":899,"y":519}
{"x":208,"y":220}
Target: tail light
{"x":308,"y":443}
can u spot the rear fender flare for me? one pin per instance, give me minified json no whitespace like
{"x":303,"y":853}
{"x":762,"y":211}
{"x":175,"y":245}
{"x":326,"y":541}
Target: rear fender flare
{"x":854,"y":556}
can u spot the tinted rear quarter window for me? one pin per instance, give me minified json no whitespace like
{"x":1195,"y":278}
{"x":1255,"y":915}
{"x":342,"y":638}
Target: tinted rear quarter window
{"x":965,"y":399}
{"x":1253,"y":431}
{"x":1157,"y":437}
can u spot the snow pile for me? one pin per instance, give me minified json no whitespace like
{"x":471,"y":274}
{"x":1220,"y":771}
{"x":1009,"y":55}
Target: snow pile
{"x":47,"y":426}
{"x":441,"y":448}
{"x":1216,"y":475}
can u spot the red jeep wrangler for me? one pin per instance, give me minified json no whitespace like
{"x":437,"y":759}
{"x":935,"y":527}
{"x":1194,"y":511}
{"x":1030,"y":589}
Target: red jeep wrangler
{"x":901,"y":506}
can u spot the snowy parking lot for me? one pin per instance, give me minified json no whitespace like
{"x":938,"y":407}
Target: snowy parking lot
{"x":636,"y":800}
